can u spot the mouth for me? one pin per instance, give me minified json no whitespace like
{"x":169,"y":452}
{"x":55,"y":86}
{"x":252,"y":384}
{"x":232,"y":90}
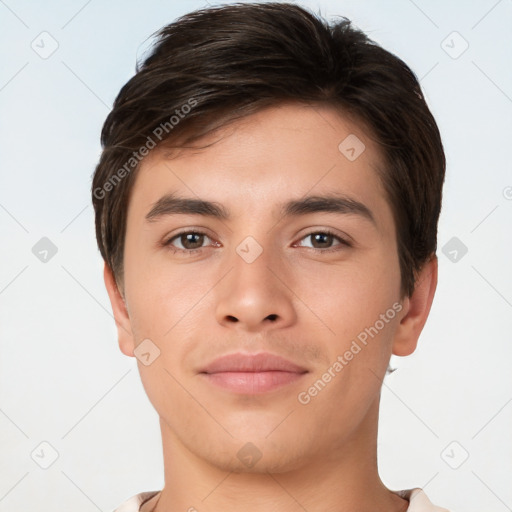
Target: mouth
{"x":252,"y":373}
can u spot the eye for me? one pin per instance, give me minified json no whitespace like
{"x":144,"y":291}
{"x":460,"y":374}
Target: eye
{"x":187,"y":241}
{"x":324,"y":241}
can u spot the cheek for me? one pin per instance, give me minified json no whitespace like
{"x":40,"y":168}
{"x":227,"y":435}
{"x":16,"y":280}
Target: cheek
{"x":161,"y":302}
{"x":349,"y":297}
{"x":159,"y":294}
{"x":357,"y":305}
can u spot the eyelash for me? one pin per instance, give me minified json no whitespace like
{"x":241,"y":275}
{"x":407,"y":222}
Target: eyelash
{"x":190,"y":252}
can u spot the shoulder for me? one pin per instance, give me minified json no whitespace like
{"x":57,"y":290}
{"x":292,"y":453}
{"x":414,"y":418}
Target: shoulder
{"x":135,"y":503}
{"x":419,"y":502}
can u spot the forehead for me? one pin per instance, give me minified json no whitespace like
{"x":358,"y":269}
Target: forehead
{"x":277,"y":154}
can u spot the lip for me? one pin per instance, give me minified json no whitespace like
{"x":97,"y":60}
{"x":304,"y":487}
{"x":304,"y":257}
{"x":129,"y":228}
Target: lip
{"x":252,"y":373}
{"x":261,"y":362}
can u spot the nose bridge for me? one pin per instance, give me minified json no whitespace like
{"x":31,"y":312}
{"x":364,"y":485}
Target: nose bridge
{"x":252,"y":264}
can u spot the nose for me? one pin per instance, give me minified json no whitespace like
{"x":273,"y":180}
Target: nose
{"x":255,"y":296}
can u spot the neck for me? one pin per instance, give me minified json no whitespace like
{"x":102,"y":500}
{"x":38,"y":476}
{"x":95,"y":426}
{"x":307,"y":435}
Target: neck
{"x":336,"y":480}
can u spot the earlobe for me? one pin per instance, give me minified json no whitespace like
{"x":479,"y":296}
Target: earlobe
{"x":122,"y":319}
{"x":416,"y":310}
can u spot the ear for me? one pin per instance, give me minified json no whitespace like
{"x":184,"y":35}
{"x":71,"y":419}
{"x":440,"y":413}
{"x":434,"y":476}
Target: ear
{"x":416,"y":309}
{"x":122,"y":319}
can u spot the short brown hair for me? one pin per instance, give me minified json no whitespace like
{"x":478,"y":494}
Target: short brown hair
{"x":216,"y":65}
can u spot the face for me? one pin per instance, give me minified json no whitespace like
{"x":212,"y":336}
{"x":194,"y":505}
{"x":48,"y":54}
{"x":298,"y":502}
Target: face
{"x":286,"y":260}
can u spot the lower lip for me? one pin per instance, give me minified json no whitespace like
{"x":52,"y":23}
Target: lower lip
{"x":252,"y":382}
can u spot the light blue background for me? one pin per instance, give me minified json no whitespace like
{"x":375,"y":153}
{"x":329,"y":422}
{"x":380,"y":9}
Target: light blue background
{"x":62,"y":377}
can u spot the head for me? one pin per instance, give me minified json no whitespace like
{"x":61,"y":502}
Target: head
{"x":313,"y":170}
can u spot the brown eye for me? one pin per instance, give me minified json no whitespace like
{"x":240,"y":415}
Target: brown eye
{"x":191,"y":240}
{"x":324,"y":241}
{"x":188,"y":241}
{"x":321,"y":240}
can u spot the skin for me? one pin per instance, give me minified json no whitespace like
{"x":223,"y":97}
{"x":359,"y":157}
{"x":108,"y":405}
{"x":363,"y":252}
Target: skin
{"x":320,"y":456}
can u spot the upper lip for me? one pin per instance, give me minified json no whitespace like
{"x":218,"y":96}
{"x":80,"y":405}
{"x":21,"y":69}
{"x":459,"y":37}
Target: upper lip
{"x":261,"y":362}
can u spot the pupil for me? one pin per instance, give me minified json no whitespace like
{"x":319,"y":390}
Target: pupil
{"x":322,"y":238}
{"x":190,"y":240}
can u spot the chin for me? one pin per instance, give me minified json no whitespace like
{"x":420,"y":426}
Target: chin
{"x":257,"y":455}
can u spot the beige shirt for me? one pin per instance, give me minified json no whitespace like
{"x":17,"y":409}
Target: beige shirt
{"x":145,"y":502}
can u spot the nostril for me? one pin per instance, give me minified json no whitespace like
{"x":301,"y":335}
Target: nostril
{"x":232,"y":318}
{"x":272,"y":317}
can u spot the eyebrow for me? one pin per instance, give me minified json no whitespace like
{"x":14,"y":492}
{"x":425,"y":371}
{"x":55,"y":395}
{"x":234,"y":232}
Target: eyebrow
{"x":170,"y":204}
{"x":173,"y":205}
